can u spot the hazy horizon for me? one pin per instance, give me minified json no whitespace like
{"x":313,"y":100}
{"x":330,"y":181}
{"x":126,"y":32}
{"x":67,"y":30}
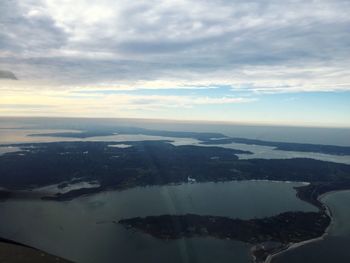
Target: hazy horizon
{"x":252,"y":62}
{"x":185,"y":121}
{"x":296,"y":134}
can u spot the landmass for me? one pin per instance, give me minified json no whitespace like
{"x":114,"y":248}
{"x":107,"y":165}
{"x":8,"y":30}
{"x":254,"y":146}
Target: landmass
{"x":108,"y":131}
{"x":268,"y":235}
{"x":286,"y":146}
{"x":311,"y":193}
{"x":204,"y":138}
{"x":152,"y":163}
{"x":280,"y":230}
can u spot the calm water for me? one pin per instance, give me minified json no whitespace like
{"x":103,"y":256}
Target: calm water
{"x":267,"y":152}
{"x":82,"y":229}
{"x":14,"y":136}
{"x":335,"y":247}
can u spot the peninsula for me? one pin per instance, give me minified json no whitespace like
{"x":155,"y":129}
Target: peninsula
{"x":268,"y":235}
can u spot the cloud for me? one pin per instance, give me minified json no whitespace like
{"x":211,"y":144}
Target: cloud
{"x":7,"y":75}
{"x":258,"y":45}
{"x":21,"y":101}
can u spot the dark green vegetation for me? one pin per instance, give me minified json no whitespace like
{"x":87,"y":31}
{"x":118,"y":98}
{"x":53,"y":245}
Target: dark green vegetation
{"x":311,"y":192}
{"x":146,"y":163}
{"x":150,"y":163}
{"x":285,"y":228}
{"x":281,"y":229}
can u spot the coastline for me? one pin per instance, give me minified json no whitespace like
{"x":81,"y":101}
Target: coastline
{"x":292,"y":246}
{"x":323,"y":207}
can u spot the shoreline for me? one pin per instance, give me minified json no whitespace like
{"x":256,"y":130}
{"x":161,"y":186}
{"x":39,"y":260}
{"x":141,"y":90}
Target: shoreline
{"x":287,"y":247}
{"x":292,"y":246}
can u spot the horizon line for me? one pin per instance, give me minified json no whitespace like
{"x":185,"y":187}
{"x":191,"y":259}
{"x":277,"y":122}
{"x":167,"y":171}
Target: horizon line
{"x":186,"y":121}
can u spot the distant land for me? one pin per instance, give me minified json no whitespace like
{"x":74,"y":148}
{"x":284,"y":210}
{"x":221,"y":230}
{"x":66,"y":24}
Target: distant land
{"x":287,"y":146}
{"x":205,"y":138}
{"x":292,"y":134}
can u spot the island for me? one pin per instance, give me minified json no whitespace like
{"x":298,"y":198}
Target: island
{"x":267,"y":235}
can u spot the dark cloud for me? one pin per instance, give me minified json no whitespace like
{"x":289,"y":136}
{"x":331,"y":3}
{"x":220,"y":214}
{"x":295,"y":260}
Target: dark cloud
{"x":7,"y":75}
{"x":23,"y":34}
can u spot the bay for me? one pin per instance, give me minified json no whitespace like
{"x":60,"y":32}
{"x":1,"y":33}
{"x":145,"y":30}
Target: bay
{"x":86,"y":229}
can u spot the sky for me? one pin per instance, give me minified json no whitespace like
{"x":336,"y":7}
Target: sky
{"x":243,"y":61}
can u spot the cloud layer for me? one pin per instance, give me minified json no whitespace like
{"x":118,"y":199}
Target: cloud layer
{"x":247,"y":60}
{"x":261,"y":45}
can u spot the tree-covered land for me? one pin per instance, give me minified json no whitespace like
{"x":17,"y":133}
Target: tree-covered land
{"x":151,"y":163}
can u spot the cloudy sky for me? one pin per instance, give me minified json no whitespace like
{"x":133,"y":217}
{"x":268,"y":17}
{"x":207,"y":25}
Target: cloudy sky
{"x":258,"y":61}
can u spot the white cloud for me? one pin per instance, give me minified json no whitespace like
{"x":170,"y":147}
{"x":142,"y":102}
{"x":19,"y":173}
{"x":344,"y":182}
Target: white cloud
{"x":20,"y":100}
{"x":261,"y":45}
